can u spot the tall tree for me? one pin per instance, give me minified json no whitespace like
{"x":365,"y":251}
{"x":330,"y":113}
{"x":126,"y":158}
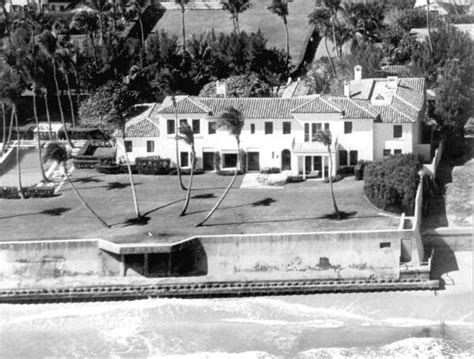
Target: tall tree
{"x":280,"y":8}
{"x":233,"y":121}
{"x":56,"y":152}
{"x":321,"y":19}
{"x":176,"y":129}
{"x":86,"y":22}
{"x":182,"y":4}
{"x":334,"y":6}
{"x":236,"y":7}
{"x":428,"y":25}
{"x":325,"y":138}
{"x":102,"y":9}
{"x":186,"y":134}
{"x":118,"y":121}
{"x":49,"y":46}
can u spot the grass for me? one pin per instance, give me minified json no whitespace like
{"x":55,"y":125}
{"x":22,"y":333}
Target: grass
{"x":257,"y":17}
{"x":300,"y":207}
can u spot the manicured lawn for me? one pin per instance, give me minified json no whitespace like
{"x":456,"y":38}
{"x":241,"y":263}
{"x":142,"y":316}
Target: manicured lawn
{"x":298,"y":207}
{"x":257,"y":17}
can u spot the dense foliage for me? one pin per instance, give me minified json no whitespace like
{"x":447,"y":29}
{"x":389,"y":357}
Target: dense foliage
{"x":391,"y":184}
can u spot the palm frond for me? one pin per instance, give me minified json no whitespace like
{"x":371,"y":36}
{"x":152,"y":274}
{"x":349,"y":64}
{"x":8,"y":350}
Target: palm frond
{"x":231,"y":120}
{"x":324,"y":137}
{"x":186,"y":133}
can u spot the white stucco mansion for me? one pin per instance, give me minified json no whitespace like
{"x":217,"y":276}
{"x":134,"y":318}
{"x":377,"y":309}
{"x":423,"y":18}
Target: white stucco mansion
{"x":375,"y":118}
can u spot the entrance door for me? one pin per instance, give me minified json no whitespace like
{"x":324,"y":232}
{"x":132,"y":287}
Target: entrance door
{"x":253,"y":161}
{"x":318,"y":166}
{"x":208,"y":161}
{"x":285,"y":160}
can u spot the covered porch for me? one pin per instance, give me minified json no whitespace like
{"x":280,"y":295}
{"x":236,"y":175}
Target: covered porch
{"x":313,"y":160}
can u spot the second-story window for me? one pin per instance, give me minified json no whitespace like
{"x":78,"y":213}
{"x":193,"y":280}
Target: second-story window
{"x":128,"y":146}
{"x":286,"y":128}
{"x":315,"y":128}
{"x":183,"y":121}
{"x":211,"y":127}
{"x":170,"y":127}
{"x":348,"y":127}
{"x":196,"y":126}
{"x":306,"y":132}
{"x":397,"y":131}
{"x":252,"y":128}
{"x":326,"y":126}
{"x":150,"y":146}
{"x":268,"y":128}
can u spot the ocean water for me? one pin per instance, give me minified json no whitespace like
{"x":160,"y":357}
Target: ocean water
{"x":398,"y":324}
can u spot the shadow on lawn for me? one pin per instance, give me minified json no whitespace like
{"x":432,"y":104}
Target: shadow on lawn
{"x":266,"y":202}
{"x":142,"y":221}
{"x":87,"y":180}
{"x":342,"y":215}
{"x":118,"y":185}
{"x":49,"y":212}
{"x":204,"y":196}
{"x":326,"y":216}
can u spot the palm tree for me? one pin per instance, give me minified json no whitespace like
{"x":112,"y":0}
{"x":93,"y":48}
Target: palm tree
{"x":280,"y":8}
{"x":325,"y":138}
{"x":187,"y":135}
{"x":334,"y":6}
{"x":48,"y":116}
{"x":321,"y":19}
{"x":66,"y":65}
{"x":176,"y":128}
{"x":134,"y":10}
{"x":101,"y":7}
{"x":182,"y":4}
{"x":118,"y":122}
{"x":11,"y":87}
{"x":235,"y":7}
{"x":233,"y":121}
{"x":49,"y":46}
{"x":56,"y":152}
{"x":4,"y":129}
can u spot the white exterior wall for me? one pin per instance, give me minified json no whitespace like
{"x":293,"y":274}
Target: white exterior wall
{"x":383,"y":139}
{"x":139,"y":148}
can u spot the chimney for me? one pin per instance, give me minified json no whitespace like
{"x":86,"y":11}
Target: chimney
{"x":347,"y":92}
{"x":357,"y":72}
{"x":392,"y":82}
{"x":221,"y":88}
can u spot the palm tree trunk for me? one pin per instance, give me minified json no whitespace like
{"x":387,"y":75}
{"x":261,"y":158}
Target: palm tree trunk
{"x":12,"y":121}
{"x":4,"y":130}
{"x":211,"y":212}
{"x":287,"y":43}
{"x":130,"y":178}
{"x":38,"y":141}
{"x":334,"y":37}
{"x":183,"y":27}
{"x":178,"y":167}
{"x":188,"y":194}
{"x":69,"y":95}
{"x":336,"y":210}
{"x":18,"y":162}
{"x":60,"y":105}
{"x":84,"y":203}
{"x":94,"y":54}
{"x":237,"y":25}
{"x":329,"y":57}
{"x":48,"y":116}
{"x":428,"y":27}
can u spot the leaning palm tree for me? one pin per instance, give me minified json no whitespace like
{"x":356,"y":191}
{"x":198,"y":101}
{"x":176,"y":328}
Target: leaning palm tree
{"x":88,"y":23}
{"x":428,"y":26}
{"x":182,"y":4}
{"x":325,"y":138}
{"x":176,"y":128}
{"x":235,"y":7}
{"x":280,"y":8}
{"x":233,"y":121}
{"x":57,"y":153}
{"x":117,"y":121}
{"x":187,"y":135}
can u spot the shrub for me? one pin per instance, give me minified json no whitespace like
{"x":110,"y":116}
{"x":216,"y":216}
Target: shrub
{"x":391,"y":184}
{"x":187,"y":171}
{"x":294,"y":179}
{"x":270,"y":170}
{"x":39,"y":192}
{"x":345,"y":170}
{"x":85,"y":163}
{"x":152,"y":165}
{"x":9,"y":193}
{"x":335,"y":178}
{"x":228,"y":172}
{"x":109,"y":169}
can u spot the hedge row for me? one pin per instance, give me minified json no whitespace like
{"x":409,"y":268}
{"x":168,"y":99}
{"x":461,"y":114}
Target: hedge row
{"x":391,"y":184}
{"x":29,"y":192}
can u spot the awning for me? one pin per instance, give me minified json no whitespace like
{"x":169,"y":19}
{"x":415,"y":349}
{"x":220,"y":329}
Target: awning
{"x":310,"y":148}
